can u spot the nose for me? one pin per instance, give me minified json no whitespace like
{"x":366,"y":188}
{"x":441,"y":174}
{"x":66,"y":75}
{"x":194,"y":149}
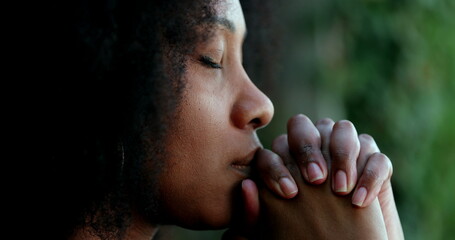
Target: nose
{"x":252,"y":108}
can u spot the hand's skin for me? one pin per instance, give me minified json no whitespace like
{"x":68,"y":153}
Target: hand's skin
{"x":311,"y":146}
{"x":357,"y":156}
{"x":315,"y":213}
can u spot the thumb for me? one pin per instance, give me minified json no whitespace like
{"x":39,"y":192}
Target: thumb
{"x":250,"y":213}
{"x":251,"y":203}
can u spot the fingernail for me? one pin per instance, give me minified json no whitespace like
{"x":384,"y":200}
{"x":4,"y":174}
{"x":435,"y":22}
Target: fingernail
{"x":340,"y":181}
{"x":287,"y":186}
{"x":359,"y":196}
{"x":314,"y":172}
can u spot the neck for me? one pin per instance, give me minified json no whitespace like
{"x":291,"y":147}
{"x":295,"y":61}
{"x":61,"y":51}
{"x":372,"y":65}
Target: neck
{"x":139,"y":229}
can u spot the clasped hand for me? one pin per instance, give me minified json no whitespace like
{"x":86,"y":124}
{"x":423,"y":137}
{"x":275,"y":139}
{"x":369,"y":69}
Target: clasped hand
{"x":321,"y":181}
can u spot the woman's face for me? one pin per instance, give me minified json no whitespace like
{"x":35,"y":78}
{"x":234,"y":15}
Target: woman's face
{"x":214,"y":137}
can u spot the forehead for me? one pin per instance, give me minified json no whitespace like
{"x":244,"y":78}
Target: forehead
{"x":231,"y":15}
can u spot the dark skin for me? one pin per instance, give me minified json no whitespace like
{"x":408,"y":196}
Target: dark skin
{"x":221,"y":105}
{"x":373,"y":216}
{"x":334,"y":212}
{"x":211,"y":145}
{"x":337,"y":219}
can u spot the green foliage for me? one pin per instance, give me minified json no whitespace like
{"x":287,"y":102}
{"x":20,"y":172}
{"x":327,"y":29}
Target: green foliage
{"x":389,"y":67}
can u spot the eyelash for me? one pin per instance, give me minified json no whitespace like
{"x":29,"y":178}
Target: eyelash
{"x":208,"y":61}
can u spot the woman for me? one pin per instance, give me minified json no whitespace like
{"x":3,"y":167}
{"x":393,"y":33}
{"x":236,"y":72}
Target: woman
{"x":154,"y":122}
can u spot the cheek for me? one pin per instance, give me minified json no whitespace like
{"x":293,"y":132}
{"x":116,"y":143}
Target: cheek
{"x":196,"y":186}
{"x":197,"y":200}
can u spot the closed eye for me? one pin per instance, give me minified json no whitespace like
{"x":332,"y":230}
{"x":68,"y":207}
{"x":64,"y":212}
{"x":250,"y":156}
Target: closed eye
{"x":209,"y":62}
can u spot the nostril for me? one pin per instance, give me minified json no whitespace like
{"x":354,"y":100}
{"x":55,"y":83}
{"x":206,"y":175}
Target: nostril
{"x":256,"y":122}
{"x":251,"y":109}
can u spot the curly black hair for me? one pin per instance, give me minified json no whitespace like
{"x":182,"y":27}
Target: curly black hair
{"x":113,"y":78}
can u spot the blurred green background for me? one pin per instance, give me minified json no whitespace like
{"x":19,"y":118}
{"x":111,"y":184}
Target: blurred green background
{"x":389,"y":67}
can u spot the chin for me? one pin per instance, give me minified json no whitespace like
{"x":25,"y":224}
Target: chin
{"x":212,"y":215}
{"x":200,"y":205}
{"x":209,"y":219}
{"x":212,"y":223}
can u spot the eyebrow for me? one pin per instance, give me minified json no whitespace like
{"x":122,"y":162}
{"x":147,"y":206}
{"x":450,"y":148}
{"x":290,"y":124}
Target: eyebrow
{"x":225,"y":23}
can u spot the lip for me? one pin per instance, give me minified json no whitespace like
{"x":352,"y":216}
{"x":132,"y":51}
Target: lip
{"x":243,"y":165}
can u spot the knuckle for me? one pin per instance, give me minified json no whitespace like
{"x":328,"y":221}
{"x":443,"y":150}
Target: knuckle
{"x":390,"y":170}
{"x":388,"y":164}
{"x":371,"y":176}
{"x":276,"y":170}
{"x":279,"y":142}
{"x":384,"y":161}
{"x":325,"y":121}
{"x":305,"y":150}
{"x":297,"y":118}
{"x":341,"y":154}
{"x":264,"y":158}
{"x":344,"y":124}
{"x":366,"y":137}
{"x":272,"y":166}
{"x":282,"y":137}
{"x":368,"y":144}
